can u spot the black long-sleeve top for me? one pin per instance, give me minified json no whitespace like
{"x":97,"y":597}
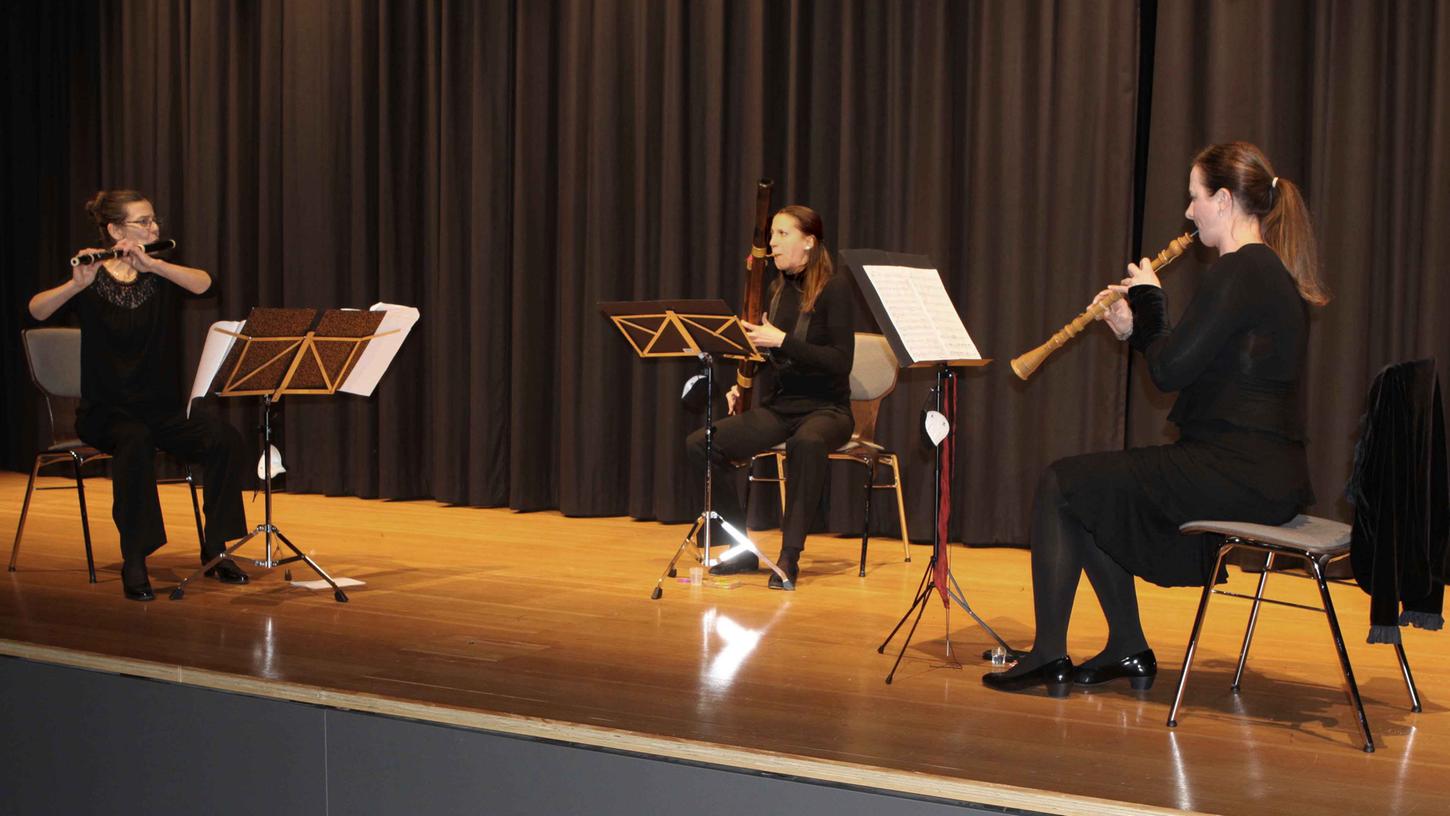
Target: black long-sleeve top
{"x":811,"y":372}
{"x":1238,"y":352}
{"x":129,"y":355}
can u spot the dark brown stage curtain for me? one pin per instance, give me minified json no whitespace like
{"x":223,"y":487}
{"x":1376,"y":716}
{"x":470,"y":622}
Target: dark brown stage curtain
{"x":965,"y":132}
{"x":1351,"y":100}
{"x":506,"y":166}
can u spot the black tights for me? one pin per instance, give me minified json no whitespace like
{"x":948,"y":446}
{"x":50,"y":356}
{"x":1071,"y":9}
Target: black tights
{"x":1062,"y":549}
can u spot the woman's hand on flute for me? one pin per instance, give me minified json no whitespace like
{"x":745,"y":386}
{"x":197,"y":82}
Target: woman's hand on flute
{"x":83,"y":275}
{"x":1118,"y":316}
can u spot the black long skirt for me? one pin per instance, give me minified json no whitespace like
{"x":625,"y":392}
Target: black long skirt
{"x":1133,"y":501}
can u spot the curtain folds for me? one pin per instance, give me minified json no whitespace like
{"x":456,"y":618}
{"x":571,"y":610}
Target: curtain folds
{"x":1352,"y":102}
{"x":505,"y":166}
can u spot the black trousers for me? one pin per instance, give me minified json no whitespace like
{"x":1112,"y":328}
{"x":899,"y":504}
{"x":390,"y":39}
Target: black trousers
{"x":809,"y":439}
{"x":132,"y":437}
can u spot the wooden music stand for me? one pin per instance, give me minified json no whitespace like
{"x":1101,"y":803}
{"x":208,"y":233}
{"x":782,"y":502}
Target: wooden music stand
{"x":693,"y":328}
{"x":280,"y":352}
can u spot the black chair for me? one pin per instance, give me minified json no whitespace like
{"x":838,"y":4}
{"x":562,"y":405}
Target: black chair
{"x":54,"y":355}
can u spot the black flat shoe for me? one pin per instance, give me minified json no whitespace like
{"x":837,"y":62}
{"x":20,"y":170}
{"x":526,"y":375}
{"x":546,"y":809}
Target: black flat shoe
{"x":745,"y":562}
{"x":1140,"y":669}
{"x":135,"y":583}
{"x":792,"y":569}
{"x":1055,"y":675}
{"x":228,"y":573}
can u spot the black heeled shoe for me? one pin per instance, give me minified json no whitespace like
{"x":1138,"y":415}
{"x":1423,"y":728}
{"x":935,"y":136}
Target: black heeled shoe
{"x":135,"y":584}
{"x":1140,"y":670}
{"x":1055,"y":675}
{"x":227,"y":572}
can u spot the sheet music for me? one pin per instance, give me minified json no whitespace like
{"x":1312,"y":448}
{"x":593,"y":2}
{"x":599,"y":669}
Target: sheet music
{"x":379,"y":353}
{"x":213,"y":352}
{"x":922,"y":312}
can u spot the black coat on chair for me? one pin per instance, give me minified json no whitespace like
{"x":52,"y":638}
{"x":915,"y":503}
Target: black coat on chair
{"x":1401,"y":539}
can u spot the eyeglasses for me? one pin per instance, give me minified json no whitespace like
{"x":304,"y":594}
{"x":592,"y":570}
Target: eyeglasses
{"x":145,"y":223}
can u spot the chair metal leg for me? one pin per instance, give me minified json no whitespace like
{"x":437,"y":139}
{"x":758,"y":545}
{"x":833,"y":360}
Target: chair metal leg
{"x":780,"y":481}
{"x":24,"y":510}
{"x":1318,"y":567}
{"x":196,"y":510}
{"x":1193,"y":637}
{"x":1409,"y":678}
{"x":76,"y":462}
{"x":866,"y":526}
{"x":1253,"y":621}
{"x":895,"y":466}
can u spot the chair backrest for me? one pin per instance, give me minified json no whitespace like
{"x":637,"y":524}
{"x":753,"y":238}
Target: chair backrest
{"x":873,"y":376}
{"x":54,"y":355}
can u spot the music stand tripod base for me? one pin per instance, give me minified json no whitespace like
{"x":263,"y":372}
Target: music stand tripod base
{"x":267,"y":562}
{"x":267,"y":529}
{"x":280,"y":352}
{"x":741,"y":540}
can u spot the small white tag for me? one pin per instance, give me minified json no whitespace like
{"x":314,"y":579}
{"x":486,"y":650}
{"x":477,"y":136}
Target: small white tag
{"x":936,"y":426}
{"x":277,"y":469}
{"x":689,"y":384}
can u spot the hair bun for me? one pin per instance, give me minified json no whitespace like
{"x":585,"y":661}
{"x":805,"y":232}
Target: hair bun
{"x":93,"y":206}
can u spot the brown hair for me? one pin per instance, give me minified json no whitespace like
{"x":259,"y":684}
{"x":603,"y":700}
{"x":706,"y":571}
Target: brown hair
{"x":819,"y":267}
{"x":109,"y":207}
{"x":1244,"y":170}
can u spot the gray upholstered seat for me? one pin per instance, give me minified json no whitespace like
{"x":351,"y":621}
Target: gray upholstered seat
{"x":1309,"y":533}
{"x":1313,"y":540}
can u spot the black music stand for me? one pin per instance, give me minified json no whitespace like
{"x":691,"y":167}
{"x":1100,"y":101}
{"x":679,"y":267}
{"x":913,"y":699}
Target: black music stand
{"x":924,"y":329}
{"x":693,"y":328}
{"x":938,"y":575}
{"x":287,"y":351}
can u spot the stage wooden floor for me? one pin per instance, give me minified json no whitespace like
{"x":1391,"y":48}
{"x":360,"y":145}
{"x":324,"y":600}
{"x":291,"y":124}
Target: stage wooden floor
{"x":542,"y":625}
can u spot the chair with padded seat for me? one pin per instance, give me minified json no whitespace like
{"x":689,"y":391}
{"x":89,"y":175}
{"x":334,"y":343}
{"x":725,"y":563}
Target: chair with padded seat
{"x":1313,"y":540}
{"x":1397,"y":544}
{"x":54,"y":356}
{"x":874,"y":372}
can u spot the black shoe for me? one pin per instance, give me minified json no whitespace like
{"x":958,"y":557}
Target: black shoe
{"x":1140,"y":669}
{"x":135,"y":584}
{"x":744,"y":562}
{"x":1056,"y":675}
{"x":792,"y":569}
{"x":228,"y":573}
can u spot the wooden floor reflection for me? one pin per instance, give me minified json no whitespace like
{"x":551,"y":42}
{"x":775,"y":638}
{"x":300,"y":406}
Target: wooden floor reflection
{"x":542,"y":625}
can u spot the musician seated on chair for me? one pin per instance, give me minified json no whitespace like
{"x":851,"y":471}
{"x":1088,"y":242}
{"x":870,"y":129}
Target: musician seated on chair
{"x":804,"y":397}
{"x":1237,"y":356}
{"x":131,"y":404}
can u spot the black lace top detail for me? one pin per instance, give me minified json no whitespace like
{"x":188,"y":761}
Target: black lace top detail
{"x":126,"y":295}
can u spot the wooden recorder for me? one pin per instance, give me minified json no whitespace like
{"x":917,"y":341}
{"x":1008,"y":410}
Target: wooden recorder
{"x":1023,"y":365}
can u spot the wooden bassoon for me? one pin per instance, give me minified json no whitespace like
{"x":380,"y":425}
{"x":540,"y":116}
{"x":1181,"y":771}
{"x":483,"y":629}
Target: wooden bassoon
{"x":753,"y":299}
